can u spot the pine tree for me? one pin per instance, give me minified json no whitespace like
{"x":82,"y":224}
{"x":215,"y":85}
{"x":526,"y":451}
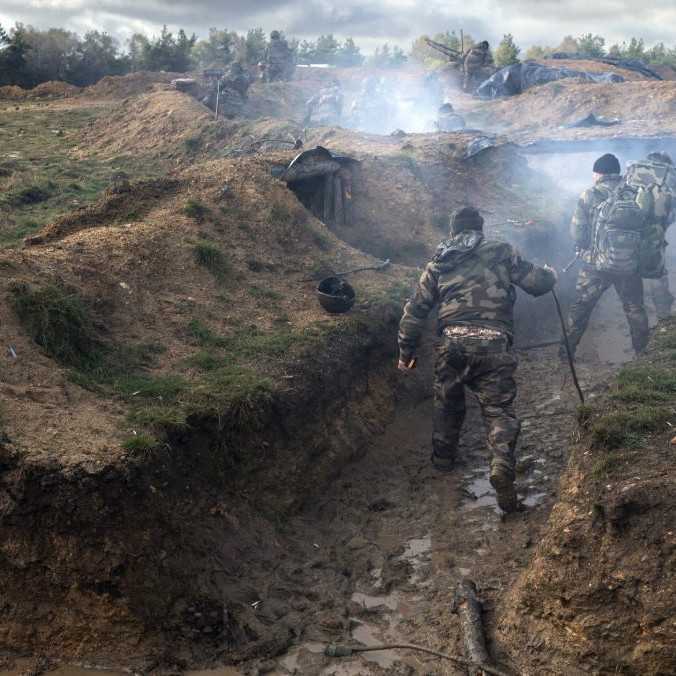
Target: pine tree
{"x":507,"y":52}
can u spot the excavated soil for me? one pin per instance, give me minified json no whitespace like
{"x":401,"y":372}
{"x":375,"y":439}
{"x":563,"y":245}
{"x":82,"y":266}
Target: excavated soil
{"x":315,"y":517}
{"x":644,"y":108}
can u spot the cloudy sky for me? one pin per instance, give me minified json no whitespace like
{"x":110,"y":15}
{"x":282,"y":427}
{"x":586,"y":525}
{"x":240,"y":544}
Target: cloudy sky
{"x":370,"y":22}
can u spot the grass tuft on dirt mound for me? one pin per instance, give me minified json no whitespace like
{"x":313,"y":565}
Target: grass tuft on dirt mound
{"x":196,"y":210}
{"x":141,"y":443}
{"x":213,"y":259}
{"x":58,"y":320}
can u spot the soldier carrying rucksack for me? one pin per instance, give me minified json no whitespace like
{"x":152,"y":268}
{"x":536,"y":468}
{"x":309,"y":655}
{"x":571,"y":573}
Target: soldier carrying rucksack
{"x":608,"y":228}
{"x":656,"y":174}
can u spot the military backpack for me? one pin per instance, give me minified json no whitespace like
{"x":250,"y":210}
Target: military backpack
{"x":660,"y":181}
{"x":619,"y":222}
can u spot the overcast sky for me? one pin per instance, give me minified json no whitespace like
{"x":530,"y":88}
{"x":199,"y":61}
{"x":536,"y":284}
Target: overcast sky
{"x":370,"y":22}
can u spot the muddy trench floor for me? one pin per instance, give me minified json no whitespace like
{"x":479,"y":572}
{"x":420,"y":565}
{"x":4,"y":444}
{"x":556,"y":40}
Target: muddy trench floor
{"x":385,"y":548}
{"x":377,"y":558}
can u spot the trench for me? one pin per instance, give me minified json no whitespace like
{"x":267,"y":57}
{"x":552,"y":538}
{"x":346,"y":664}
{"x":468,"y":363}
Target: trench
{"x":376,"y":557}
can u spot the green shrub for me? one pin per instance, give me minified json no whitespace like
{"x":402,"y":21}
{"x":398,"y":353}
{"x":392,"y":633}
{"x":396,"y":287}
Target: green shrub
{"x":58,"y":320}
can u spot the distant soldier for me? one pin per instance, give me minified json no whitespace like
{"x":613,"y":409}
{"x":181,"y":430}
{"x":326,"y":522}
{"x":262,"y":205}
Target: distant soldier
{"x":658,"y":174}
{"x":607,"y":227}
{"x":471,"y":280}
{"x":279,"y":60}
{"x":233,"y":93}
{"x":448,"y":119}
{"x":371,"y":110}
{"x":325,"y":109}
{"x":477,"y":65}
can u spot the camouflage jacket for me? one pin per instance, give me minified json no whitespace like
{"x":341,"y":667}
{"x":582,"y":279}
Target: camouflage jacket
{"x":582,"y":224}
{"x":471,"y":280}
{"x":477,"y":58}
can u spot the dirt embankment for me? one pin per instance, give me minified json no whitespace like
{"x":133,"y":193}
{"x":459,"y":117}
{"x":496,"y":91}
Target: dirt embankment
{"x":160,"y":430}
{"x":645,"y":108}
{"x":599,"y":595}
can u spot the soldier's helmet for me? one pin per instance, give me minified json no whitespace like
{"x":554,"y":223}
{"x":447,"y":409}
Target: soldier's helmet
{"x":446,"y":108}
{"x":467,"y":218}
{"x":484,"y":45}
{"x":275,"y":35}
{"x":661,"y":158}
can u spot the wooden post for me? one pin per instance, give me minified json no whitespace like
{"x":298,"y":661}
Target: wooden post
{"x":338,"y":210}
{"x":468,"y":608}
{"x":346,"y":187}
{"x":462,"y":42}
{"x":328,"y":199}
{"x":218,"y":96}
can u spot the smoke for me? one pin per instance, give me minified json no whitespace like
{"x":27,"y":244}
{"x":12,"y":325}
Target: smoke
{"x":386,"y":104}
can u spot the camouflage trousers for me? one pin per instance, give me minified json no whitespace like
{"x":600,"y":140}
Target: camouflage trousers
{"x":490,"y":376}
{"x":591,"y":285}
{"x":662,"y":296}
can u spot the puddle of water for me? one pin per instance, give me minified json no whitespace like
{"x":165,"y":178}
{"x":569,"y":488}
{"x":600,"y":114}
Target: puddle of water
{"x":534,"y":499}
{"x":365,"y":634}
{"x":417,"y":547}
{"x":390,"y":601}
{"x":481,"y":487}
{"x":291,"y":661}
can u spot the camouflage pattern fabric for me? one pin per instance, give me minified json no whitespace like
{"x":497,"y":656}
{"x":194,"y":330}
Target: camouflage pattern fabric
{"x":582,"y":223}
{"x":472,"y":281}
{"x":662,"y":296}
{"x":591,"y":285}
{"x":476,"y":61}
{"x":489,"y":374}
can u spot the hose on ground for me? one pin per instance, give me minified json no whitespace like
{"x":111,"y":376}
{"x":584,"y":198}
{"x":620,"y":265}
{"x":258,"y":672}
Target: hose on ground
{"x":334,"y":650}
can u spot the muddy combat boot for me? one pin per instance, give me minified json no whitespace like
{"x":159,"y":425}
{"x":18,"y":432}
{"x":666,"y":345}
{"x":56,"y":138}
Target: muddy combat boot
{"x":502,"y":480}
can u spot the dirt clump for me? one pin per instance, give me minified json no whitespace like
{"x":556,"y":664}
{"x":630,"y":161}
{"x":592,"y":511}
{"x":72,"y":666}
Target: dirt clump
{"x":132,"y":84}
{"x":122,"y":202}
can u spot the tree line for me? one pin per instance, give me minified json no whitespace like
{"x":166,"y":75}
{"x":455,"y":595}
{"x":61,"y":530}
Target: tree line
{"x":29,"y":56}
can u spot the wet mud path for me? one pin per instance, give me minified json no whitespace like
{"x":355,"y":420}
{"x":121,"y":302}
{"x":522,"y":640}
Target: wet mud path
{"x":377,"y":558}
{"x":403,"y":535}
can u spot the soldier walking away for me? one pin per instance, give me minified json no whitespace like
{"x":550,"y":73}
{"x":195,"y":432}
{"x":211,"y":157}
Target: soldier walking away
{"x":658,"y":174}
{"x":471,"y":280}
{"x":607,"y":229}
{"x":279,"y":60}
{"x":476,"y":62}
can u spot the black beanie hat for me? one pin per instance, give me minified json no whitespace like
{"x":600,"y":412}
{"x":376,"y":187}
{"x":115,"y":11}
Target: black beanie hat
{"x":467,"y":218}
{"x":607,"y":164}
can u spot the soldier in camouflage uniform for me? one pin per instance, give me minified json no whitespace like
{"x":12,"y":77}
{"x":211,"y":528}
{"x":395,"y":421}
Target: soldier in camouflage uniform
{"x":477,"y":63}
{"x":279,"y":59}
{"x":471,"y":280}
{"x":660,"y":291}
{"x":592,"y":283}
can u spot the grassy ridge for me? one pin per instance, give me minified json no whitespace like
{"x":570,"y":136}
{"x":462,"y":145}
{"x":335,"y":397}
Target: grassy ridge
{"x":640,"y":406}
{"x":40,"y":177}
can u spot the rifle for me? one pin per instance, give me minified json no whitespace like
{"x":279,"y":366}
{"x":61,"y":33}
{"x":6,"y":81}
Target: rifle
{"x":452,"y":54}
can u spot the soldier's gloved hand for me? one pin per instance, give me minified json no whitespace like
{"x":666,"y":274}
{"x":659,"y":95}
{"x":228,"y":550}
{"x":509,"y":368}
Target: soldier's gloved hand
{"x":407,"y":363}
{"x":553,"y":271}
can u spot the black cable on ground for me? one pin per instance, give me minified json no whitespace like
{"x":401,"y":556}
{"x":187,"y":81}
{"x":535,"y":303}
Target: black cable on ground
{"x":347,"y":651}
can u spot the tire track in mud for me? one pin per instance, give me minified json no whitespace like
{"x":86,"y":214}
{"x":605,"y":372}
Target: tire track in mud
{"x":403,"y":535}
